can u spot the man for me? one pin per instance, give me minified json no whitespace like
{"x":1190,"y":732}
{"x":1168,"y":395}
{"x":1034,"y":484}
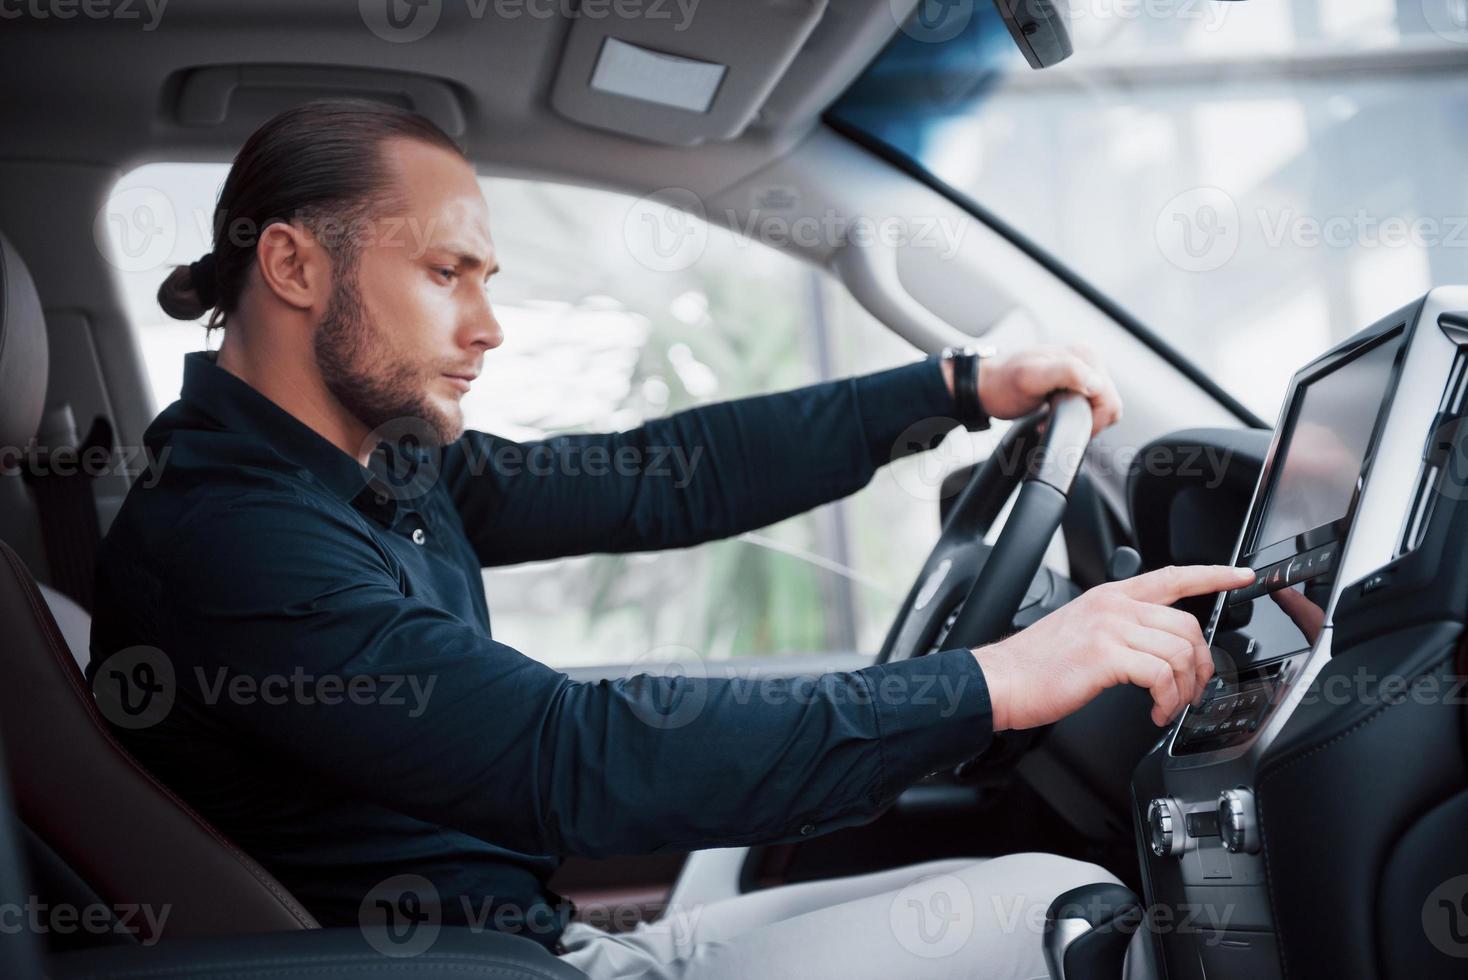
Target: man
{"x":339,"y":707}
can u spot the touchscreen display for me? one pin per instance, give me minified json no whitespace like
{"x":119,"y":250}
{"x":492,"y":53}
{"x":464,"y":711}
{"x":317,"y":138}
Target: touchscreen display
{"x":1295,"y":548}
{"x":1326,"y":447}
{"x":1310,"y":489}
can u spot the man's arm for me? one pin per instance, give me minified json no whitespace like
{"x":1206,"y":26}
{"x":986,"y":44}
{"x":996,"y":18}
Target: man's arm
{"x":722,"y":469}
{"x":699,"y":475}
{"x":432,"y":718}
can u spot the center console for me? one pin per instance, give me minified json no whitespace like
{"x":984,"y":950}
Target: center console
{"x":1353,"y":479}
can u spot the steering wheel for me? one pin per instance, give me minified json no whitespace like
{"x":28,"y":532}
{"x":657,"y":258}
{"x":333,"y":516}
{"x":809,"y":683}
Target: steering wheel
{"x":967,"y":593}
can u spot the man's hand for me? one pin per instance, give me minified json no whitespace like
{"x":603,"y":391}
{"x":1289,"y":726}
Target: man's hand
{"x":1018,"y":384}
{"x":1121,"y":632}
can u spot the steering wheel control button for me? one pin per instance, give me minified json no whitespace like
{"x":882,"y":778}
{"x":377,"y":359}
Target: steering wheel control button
{"x":1238,"y":823}
{"x":1165,"y":827}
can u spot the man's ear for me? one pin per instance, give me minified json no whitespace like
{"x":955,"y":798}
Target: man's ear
{"x":294,"y":266}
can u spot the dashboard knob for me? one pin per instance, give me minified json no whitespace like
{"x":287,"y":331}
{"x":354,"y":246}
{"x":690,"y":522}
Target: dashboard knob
{"x":1238,"y":823}
{"x":1165,"y":827}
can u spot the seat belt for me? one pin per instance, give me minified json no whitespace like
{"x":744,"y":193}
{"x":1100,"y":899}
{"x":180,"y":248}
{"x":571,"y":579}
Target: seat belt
{"x":60,"y":476}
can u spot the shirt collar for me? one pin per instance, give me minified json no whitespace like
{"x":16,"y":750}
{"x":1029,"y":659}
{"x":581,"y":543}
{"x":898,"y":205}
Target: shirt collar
{"x":239,"y":407}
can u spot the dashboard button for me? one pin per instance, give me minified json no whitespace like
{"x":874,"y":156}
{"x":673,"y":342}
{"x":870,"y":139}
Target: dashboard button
{"x":1202,"y":823}
{"x":1247,"y":593}
{"x":1375,"y":581}
{"x":1324,"y":559}
{"x":1219,"y":708}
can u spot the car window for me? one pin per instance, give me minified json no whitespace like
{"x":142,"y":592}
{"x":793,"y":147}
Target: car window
{"x":617,"y":310}
{"x":1253,"y":181}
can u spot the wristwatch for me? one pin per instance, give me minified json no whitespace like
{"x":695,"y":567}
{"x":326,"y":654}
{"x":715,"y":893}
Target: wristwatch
{"x":966,"y":403}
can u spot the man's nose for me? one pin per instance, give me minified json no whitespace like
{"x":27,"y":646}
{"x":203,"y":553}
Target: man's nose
{"x":482,"y":329}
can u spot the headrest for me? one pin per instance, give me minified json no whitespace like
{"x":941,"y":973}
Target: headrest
{"x":24,"y":357}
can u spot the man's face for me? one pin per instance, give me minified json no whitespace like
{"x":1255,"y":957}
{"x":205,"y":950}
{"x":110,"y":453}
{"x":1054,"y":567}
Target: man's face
{"x":406,"y":328}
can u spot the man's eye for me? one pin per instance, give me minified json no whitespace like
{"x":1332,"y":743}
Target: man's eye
{"x":447,"y":272}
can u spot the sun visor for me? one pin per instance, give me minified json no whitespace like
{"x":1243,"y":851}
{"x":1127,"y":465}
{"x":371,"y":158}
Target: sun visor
{"x":700,"y":71}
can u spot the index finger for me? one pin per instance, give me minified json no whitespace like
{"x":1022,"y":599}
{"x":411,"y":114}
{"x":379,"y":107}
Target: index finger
{"x":1167,"y":585}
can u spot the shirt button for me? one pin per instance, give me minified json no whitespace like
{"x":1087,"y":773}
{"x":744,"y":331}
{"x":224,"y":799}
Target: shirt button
{"x":419,"y":536}
{"x":807,"y":830}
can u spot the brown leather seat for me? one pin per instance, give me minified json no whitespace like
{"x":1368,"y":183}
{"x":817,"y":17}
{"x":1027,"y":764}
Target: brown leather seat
{"x":124,"y":834}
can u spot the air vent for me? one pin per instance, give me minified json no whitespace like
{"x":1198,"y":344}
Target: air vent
{"x":1437,"y":455}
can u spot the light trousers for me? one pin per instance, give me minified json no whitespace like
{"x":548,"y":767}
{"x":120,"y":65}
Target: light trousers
{"x":944,"y":920}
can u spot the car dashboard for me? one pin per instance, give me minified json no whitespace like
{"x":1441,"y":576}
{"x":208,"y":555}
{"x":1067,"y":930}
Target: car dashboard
{"x":1267,"y":826}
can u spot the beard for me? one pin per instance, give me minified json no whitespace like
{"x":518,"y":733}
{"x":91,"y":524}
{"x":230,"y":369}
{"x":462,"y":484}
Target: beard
{"x":361,"y":370}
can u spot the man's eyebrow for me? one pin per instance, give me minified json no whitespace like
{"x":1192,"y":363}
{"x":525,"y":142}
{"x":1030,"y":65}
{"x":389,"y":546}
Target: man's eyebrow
{"x":466,"y":256}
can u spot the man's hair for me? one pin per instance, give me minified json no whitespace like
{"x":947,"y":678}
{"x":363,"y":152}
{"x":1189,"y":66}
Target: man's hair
{"x":319,"y":163}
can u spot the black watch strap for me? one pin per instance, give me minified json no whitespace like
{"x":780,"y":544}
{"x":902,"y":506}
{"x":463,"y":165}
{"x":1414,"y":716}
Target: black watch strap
{"x":967,"y":406}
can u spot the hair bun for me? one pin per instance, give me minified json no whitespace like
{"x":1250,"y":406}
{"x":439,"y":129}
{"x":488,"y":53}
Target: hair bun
{"x":191,"y":290}
{"x":205,"y":282}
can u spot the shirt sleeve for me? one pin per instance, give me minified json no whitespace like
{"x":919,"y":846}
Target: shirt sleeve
{"x":405,"y":705}
{"x":699,"y":475}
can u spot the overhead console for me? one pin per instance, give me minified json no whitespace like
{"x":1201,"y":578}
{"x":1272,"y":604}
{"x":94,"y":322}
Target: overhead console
{"x":677,"y":78}
{"x":1357,"y":472}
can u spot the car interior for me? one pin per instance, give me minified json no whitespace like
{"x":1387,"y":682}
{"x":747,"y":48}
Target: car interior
{"x":1306,"y":819}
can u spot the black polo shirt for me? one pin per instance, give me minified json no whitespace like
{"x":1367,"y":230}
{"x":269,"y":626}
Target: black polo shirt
{"x":321,"y":682}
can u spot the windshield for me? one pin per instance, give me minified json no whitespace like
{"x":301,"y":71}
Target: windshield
{"x":1252,"y":181}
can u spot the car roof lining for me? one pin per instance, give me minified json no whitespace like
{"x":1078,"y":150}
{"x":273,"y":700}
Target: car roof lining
{"x":108,"y":92}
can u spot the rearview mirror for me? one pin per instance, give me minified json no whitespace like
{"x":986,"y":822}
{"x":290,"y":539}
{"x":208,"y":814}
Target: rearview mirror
{"x":1041,"y":28}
